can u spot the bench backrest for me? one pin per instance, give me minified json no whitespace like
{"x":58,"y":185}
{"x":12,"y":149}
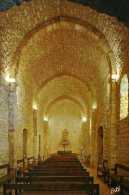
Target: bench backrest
{"x":121,"y":170}
{"x":86,"y":179}
{"x":91,"y":189}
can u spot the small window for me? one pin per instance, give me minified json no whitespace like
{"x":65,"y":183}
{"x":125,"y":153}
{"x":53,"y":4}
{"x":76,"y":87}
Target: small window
{"x":124,"y":97}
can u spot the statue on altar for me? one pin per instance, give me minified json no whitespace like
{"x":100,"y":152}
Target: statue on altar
{"x":65,"y":143}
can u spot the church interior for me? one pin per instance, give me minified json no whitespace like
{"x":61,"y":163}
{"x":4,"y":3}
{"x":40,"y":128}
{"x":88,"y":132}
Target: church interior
{"x":64,"y":96}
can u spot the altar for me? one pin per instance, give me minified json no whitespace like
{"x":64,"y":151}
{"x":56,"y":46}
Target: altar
{"x":65,"y":146}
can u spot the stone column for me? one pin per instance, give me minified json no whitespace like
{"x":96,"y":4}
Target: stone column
{"x":39,"y":147}
{"x":82,"y":140}
{"x":35,"y":146}
{"x":12,"y":103}
{"x":45,"y":137}
{"x":25,"y":139}
{"x":113,"y":125}
{"x":93,"y":138}
{"x":4,"y":149}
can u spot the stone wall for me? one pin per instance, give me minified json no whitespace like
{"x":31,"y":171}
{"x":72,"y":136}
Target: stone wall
{"x":24,"y":116}
{"x":123,"y":142}
{"x":4,"y":153}
{"x":64,"y":115}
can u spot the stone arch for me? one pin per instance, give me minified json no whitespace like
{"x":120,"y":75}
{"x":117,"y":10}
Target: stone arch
{"x":70,"y":82}
{"x":118,"y":53}
{"x":106,"y":48}
{"x":65,"y":74}
{"x":60,"y":98}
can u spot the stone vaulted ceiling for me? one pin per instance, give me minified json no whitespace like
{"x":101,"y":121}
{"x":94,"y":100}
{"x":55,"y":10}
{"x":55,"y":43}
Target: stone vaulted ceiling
{"x":51,"y":39}
{"x":64,"y":48}
{"x":119,"y":9}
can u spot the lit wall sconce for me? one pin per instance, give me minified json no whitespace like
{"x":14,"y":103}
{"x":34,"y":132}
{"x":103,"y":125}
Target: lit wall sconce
{"x":45,"y":118}
{"x":35,"y":107}
{"x":115,"y":77}
{"x":94,"y":106}
{"x":10,"y":79}
{"x":84,"y":119}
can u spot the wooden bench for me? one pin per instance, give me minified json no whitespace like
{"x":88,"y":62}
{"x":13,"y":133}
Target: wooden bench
{"x":5,"y":178}
{"x":119,"y":175}
{"x":69,"y":166}
{"x":55,"y":193}
{"x":90,"y":189}
{"x":23,"y":166}
{"x":59,"y":163}
{"x":35,"y":173}
{"x":124,"y":185}
{"x":67,"y":176}
{"x":103,"y":171}
{"x":62,"y":157}
{"x":58,"y":168}
{"x":61,"y":167}
{"x":41,"y":179}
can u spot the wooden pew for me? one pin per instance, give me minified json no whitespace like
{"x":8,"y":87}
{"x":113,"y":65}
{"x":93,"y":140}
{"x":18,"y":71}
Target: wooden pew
{"x":103,"y":171}
{"x":54,"y":167}
{"x":23,"y":165}
{"x":124,"y":185}
{"x":62,"y":158}
{"x":5,"y":177}
{"x":58,"y":173}
{"x":38,"y":173}
{"x":41,"y":179}
{"x":58,"y":165}
{"x":60,"y":162}
{"x":90,"y":189}
{"x":120,"y":177}
{"x":58,"y":168}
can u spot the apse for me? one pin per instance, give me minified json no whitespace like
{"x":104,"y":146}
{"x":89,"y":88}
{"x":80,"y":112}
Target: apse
{"x":64,"y":114}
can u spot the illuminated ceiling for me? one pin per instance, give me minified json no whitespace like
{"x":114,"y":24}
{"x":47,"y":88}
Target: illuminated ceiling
{"x":65,"y":61}
{"x":119,"y":9}
{"x":62,"y":50}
